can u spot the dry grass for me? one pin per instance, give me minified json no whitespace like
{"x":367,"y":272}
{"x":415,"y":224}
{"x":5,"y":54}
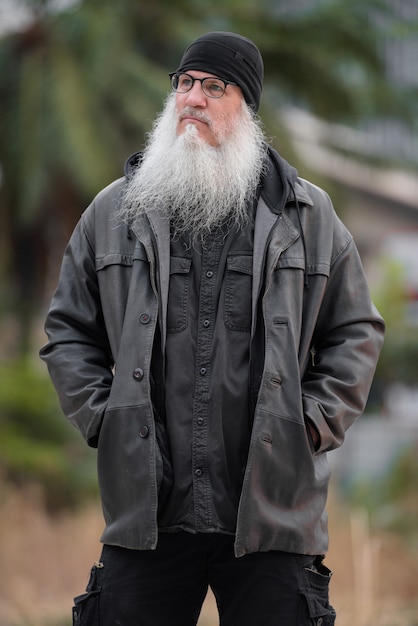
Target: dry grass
{"x":44,"y":562}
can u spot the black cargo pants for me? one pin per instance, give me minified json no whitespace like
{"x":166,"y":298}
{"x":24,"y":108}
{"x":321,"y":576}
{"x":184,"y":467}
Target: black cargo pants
{"x":167,"y":587}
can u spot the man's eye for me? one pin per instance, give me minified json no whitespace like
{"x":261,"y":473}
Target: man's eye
{"x":215,"y":88}
{"x":185,"y":83}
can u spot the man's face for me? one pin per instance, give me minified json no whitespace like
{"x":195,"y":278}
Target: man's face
{"x":209,"y":115}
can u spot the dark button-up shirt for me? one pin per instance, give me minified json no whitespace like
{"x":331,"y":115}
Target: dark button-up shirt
{"x":208,"y":419}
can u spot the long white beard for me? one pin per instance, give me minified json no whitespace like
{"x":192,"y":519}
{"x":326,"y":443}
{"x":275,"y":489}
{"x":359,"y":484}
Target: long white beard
{"x":198,"y":186}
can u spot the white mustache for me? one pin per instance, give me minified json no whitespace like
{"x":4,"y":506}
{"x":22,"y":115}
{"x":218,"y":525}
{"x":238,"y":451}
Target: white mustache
{"x":196,"y":114}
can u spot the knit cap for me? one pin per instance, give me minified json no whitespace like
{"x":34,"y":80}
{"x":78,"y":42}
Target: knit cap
{"x":228,"y":56}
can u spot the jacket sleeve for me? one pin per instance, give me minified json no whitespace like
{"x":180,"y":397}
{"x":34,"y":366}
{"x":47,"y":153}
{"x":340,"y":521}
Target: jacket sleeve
{"x":347,"y":342}
{"x":77,"y":352}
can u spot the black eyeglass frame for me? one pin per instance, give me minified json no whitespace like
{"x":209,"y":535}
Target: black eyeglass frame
{"x":173,"y":75}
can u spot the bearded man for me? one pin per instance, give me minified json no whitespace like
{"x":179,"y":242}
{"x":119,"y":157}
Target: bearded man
{"x":212,"y":334}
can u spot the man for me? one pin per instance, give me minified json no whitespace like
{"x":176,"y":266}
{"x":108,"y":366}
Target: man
{"x":212,"y":334}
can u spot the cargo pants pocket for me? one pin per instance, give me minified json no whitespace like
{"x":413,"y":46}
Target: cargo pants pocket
{"x":86,"y":606}
{"x":315,"y":596}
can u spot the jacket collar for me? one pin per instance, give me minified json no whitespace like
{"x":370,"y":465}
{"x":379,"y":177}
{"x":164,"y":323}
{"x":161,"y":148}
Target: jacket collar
{"x":281,"y":184}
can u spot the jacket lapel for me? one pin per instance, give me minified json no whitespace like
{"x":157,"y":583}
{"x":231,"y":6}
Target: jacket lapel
{"x":157,"y":244}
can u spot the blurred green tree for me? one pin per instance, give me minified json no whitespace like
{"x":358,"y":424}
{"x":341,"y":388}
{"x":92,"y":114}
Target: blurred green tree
{"x":399,"y":357}
{"x":37,"y":446}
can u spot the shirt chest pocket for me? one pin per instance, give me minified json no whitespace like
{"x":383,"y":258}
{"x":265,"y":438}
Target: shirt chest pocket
{"x":238,"y":292}
{"x":178,"y":294}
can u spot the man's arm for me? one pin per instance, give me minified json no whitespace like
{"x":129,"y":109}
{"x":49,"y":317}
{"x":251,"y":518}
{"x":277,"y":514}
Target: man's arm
{"x":77,"y":353}
{"x":347,"y":345}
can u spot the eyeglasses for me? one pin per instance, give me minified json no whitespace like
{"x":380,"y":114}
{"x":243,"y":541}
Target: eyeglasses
{"x":211,"y":87}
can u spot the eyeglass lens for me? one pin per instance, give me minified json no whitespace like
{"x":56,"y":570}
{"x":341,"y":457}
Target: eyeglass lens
{"x":212,"y":87}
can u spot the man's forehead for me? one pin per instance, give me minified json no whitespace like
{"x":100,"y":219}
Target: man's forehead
{"x":201,"y":74}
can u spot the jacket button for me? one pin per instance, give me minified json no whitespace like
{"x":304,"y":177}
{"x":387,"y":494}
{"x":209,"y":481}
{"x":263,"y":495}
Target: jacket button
{"x":144,"y":432}
{"x":144,"y":318}
{"x":138,"y":373}
{"x":198,"y":472}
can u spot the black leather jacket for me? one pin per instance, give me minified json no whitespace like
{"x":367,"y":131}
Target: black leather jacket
{"x":316,"y":337}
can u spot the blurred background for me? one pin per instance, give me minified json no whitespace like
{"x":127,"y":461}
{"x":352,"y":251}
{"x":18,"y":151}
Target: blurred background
{"x":81,"y":82}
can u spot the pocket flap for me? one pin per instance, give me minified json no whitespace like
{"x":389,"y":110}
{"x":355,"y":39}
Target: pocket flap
{"x":240,"y":263}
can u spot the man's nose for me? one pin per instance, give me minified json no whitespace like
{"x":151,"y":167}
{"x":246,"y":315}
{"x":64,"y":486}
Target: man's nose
{"x":196,"y":97}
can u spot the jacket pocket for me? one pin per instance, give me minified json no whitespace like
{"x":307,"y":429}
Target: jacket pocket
{"x":114,"y":273}
{"x":121,"y":257}
{"x":86,"y":610}
{"x":238,"y":293}
{"x":177,"y":311}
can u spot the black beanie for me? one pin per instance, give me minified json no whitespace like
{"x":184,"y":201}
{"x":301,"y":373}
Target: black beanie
{"x":228,"y":56}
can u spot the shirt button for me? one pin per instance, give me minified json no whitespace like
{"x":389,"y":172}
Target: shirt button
{"x":138,"y":373}
{"x":209,"y":274}
{"x":198,"y":472}
{"x":202,"y":371}
{"x":206,"y":323}
{"x":144,"y":432}
{"x":200,"y":421}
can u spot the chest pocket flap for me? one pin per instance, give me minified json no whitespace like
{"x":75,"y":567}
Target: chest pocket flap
{"x":238,"y":292}
{"x":177,"y":313}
